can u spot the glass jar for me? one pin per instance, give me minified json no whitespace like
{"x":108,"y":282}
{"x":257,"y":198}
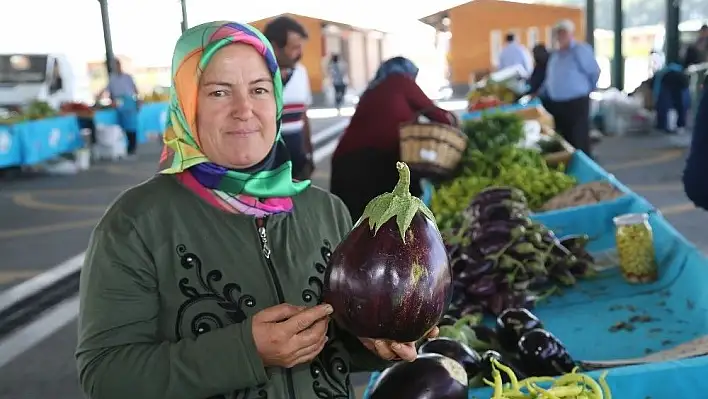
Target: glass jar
{"x":635,"y":247}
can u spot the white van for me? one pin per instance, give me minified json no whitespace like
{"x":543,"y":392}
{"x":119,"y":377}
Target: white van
{"x":52,"y":78}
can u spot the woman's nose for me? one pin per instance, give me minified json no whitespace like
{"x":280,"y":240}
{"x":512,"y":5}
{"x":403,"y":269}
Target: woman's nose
{"x":242,"y":107}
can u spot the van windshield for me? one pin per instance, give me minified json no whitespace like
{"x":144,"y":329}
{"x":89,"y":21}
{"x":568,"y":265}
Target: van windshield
{"x":20,"y":68}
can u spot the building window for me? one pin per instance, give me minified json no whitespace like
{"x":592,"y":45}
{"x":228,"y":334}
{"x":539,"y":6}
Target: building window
{"x":495,"y":46}
{"x":532,"y":37}
{"x":549,"y":36}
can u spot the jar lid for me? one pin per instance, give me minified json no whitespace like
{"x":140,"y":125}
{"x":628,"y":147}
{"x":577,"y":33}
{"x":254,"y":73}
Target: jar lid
{"x":630,"y":219}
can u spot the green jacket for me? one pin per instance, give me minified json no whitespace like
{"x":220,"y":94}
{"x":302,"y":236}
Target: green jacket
{"x":169,"y":286}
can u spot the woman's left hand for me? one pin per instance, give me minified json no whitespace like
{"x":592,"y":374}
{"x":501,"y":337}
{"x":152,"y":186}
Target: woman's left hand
{"x":390,"y":350}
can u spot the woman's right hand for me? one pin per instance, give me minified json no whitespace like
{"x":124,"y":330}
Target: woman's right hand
{"x":288,"y":335}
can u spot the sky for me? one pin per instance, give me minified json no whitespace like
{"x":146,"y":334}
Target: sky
{"x":146,"y":30}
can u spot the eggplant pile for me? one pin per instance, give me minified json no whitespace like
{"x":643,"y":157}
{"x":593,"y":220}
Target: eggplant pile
{"x":430,"y":376}
{"x":390,"y":278}
{"x":518,"y":341}
{"x":502,"y":259}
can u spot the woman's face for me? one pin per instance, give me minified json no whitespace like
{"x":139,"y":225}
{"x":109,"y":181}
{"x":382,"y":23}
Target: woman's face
{"x":236,"y":108}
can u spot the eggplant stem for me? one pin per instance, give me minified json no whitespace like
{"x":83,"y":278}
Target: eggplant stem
{"x":399,"y":204}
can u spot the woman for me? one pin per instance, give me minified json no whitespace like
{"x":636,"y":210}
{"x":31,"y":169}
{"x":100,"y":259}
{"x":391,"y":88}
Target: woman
{"x":363,"y":165}
{"x":204,"y":281}
{"x":694,"y":175}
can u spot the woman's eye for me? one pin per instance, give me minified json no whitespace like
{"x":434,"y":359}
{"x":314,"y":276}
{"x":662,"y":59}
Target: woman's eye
{"x":260,"y":90}
{"x":218,"y":93}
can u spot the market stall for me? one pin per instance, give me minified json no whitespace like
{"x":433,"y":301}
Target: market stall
{"x":40,"y":134}
{"x":614,"y":291}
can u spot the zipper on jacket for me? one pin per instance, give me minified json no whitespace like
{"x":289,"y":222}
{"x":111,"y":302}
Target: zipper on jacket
{"x":266,"y":251}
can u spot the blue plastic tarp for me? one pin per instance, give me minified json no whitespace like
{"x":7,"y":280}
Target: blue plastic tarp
{"x":677,"y":306}
{"x":45,"y":139}
{"x":151,"y":120}
{"x":10,"y":151}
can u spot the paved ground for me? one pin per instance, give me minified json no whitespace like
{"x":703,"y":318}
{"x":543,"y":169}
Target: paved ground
{"x":40,"y":227}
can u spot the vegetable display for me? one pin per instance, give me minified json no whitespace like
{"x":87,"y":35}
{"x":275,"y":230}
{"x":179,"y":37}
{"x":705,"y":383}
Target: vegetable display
{"x":390,"y":278}
{"x":430,"y":376}
{"x":502,"y":259}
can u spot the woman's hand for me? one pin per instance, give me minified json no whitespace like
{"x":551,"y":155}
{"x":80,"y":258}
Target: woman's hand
{"x":288,"y":335}
{"x":389,"y":350}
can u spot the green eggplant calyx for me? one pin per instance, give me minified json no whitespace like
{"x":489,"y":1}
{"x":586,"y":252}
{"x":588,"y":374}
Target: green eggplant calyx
{"x":399,"y":204}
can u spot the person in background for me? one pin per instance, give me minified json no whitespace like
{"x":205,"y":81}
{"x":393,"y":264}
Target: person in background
{"x":204,"y":281}
{"x":694,"y":173}
{"x":572,"y":74}
{"x":338,"y":75}
{"x":124,"y":96}
{"x":515,"y":55}
{"x":670,"y":92}
{"x":288,"y":38}
{"x":364,"y":163}
{"x":538,"y":76}
{"x":697,"y":53}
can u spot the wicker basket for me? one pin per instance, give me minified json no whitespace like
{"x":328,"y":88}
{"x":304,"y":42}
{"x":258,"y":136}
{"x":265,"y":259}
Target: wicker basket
{"x":432,"y":149}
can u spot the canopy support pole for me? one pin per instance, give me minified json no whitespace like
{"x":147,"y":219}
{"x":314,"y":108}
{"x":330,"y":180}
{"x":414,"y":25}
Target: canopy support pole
{"x":590,"y":22}
{"x":618,"y":58}
{"x":673,"y":17}
{"x":185,"y":26}
{"x":110,"y":57}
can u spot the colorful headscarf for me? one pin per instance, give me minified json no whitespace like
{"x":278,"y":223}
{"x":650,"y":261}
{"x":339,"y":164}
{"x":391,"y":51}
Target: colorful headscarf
{"x":392,"y":66}
{"x":272,"y":177}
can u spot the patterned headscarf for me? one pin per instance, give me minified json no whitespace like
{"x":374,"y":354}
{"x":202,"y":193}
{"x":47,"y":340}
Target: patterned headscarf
{"x":392,"y":66}
{"x":272,"y":177}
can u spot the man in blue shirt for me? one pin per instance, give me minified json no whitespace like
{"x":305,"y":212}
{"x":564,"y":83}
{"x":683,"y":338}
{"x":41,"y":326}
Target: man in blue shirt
{"x":515,"y":55}
{"x":571,"y":76}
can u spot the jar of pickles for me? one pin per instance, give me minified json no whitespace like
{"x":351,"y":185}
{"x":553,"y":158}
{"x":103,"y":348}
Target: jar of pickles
{"x":635,"y":247}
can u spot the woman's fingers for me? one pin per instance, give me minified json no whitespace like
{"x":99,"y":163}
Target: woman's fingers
{"x":384,"y":350}
{"x":308,"y":353}
{"x":406,"y":352}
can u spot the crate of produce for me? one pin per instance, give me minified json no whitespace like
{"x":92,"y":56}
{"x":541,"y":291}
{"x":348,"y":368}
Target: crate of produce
{"x":493,"y":158}
{"x":649,"y":337}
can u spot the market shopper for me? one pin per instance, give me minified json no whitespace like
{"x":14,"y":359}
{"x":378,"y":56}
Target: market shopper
{"x":337,"y":71}
{"x":571,"y":76}
{"x":364,"y":163}
{"x":670,"y":92}
{"x":538,"y":76}
{"x":204,"y":281}
{"x":694,"y":174}
{"x":288,"y":38}
{"x":514,"y":54}
{"x":124,"y":96}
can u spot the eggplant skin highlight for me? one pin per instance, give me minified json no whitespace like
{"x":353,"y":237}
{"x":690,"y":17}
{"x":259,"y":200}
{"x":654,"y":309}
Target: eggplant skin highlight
{"x":390,"y":278}
{"x":430,"y":376}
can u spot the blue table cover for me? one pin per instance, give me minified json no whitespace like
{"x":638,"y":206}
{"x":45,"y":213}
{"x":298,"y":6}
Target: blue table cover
{"x":44,"y":139}
{"x":151,"y":120}
{"x":583,"y":315}
{"x":105,"y":117}
{"x":10,"y":151}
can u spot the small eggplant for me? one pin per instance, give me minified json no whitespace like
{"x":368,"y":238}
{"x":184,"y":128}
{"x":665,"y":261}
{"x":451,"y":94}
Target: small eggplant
{"x":512,"y":323}
{"x":487,"y":366}
{"x":576,"y":244}
{"x":498,"y":212}
{"x":468,"y":358}
{"x":494,"y":194}
{"x":447,"y":320}
{"x":477,"y":269}
{"x":499,"y":229}
{"x":543,"y":355}
{"x":485,"y":286}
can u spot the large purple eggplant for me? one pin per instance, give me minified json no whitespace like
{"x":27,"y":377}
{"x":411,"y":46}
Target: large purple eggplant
{"x":430,"y":376}
{"x":390,"y":278}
